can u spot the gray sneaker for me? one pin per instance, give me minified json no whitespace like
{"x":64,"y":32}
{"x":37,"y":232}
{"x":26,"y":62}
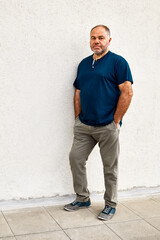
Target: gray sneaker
{"x":77,"y":205}
{"x":107,"y":213}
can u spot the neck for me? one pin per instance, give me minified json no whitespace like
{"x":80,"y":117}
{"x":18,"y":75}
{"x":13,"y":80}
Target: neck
{"x":98,"y":56}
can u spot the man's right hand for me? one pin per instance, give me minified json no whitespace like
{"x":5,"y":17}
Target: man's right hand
{"x":77,"y":103}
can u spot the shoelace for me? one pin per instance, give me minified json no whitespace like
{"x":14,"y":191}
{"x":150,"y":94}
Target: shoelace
{"x":107,"y":209}
{"x":74,"y":202}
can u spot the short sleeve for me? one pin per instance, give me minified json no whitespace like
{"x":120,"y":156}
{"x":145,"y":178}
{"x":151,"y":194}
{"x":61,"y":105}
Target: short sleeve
{"x":76,"y":83}
{"x":123,"y":72}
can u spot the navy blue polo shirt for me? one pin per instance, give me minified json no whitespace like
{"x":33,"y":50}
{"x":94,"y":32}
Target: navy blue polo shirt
{"x":98,"y":83}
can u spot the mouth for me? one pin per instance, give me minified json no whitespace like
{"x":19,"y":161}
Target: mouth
{"x":96,"y":47}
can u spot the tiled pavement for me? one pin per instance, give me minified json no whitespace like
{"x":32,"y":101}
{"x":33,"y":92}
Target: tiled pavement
{"x":135,"y":219}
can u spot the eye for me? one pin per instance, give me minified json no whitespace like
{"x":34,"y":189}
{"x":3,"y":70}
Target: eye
{"x":101,"y":38}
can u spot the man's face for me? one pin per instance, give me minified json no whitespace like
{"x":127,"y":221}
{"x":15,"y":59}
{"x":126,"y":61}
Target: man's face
{"x":99,"y":40}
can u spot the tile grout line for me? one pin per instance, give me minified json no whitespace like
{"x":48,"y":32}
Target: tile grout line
{"x":56,"y":222}
{"x":35,"y":233}
{"x":126,"y":221}
{"x":132,"y":211}
{"x":1,"y":238}
{"x":8,"y":224}
{"x":151,"y":224}
{"x":114,"y":232}
{"x":15,"y":237}
{"x":83,"y":227}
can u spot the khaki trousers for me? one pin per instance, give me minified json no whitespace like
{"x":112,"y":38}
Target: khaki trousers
{"x":85,"y":138}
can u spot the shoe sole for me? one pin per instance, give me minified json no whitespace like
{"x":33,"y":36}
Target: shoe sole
{"x":105,"y":219}
{"x":73,"y":210}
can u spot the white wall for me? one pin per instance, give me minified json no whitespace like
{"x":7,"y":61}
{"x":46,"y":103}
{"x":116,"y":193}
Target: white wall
{"x":41,"y":44}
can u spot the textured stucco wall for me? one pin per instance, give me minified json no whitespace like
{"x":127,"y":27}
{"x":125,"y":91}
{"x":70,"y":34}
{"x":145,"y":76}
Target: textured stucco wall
{"x":41,"y":44}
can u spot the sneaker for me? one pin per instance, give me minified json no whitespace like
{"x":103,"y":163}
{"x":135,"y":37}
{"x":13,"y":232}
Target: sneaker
{"x":77,"y":205}
{"x":107,"y":213}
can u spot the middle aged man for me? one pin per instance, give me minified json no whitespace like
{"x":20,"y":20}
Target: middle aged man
{"x":102,"y":96}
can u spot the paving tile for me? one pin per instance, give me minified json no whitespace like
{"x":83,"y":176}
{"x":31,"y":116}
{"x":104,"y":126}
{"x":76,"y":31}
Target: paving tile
{"x":80,"y":218}
{"x":154,"y":222}
{"x":135,"y":230}
{"x":4,"y":228}
{"x":30,"y":220}
{"x":57,"y":235}
{"x":122,"y":212}
{"x":101,"y":232}
{"x":146,"y":208}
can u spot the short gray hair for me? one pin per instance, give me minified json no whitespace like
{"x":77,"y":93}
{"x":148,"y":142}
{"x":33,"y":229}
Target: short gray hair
{"x":105,"y":27}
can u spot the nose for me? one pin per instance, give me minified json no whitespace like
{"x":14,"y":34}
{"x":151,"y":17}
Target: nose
{"x":96,"y":40}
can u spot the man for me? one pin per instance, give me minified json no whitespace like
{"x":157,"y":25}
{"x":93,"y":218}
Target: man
{"x":102,"y":96}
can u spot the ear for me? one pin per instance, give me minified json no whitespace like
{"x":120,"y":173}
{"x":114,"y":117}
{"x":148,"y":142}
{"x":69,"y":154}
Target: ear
{"x":110,"y":39}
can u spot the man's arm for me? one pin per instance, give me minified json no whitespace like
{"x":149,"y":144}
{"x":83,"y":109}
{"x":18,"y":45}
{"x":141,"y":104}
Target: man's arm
{"x":77,"y":103}
{"x":124,"y":101}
